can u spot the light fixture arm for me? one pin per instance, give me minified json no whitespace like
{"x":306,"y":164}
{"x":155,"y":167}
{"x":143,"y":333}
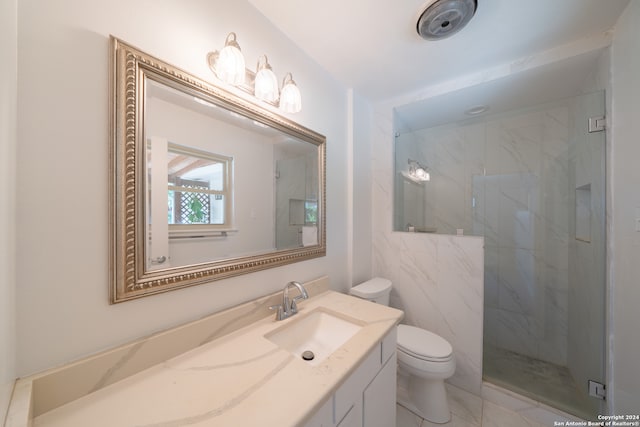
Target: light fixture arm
{"x":263,"y":63}
{"x":231,"y":40}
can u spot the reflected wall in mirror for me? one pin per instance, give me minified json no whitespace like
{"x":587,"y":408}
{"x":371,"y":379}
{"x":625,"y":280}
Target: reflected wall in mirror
{"x":206,"y":185}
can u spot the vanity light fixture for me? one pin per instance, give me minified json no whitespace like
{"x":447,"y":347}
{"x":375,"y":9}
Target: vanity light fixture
{"x":290,"y":99}
{"x":418,"y":171}
{"x":229,"y":66}
{"x":266,"y":82}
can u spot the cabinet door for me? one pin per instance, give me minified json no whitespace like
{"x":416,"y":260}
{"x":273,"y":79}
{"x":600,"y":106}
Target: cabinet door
{"x":349,"y":395}
{"x":324,"y":417}
{"x":353,"y":417}
{"x":380,"y":397}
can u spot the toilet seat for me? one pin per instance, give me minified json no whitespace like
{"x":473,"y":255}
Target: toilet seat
{"x":423,"y":345}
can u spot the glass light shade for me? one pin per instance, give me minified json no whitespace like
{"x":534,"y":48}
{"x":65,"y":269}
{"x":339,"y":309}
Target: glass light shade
{"x":230,"y":66}
{"x":266,"y":82}
{"x":422,"y":175}
{"x":290,"y":98}
{"x":418,"y":172}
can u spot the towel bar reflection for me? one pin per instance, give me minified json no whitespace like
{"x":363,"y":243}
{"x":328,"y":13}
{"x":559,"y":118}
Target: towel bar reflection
{"x":201,"y":236}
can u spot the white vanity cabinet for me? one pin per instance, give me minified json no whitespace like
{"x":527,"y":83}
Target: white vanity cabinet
{"x":368,"y":397}
{"x":324,"y":416}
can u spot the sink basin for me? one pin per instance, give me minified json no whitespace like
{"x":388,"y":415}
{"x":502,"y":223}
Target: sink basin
{"x":320,"y":332}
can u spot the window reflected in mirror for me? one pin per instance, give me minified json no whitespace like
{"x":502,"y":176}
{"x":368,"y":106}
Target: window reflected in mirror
{"x":194,"y":196}
{"x":199,"y":187}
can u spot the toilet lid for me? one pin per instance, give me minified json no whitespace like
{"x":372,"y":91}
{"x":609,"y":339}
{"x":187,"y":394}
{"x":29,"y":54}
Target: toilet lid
{"x":423,"y":344}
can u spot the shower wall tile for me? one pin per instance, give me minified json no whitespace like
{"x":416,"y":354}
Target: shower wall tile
{"x":415,"y":279}
{"x":454,"y":155}
{"x":460,"y":296}
{"x":438,"y":280}
{"x":448,"y":179}
{"x":520,"y":150}
{"x":492,"y":209}
{"x":531,"y":214}
{"x":449,"y":210}
{"x":518,"y":332}
{"x":474,"y":152}
{"x":518,"y":289}
{"x":476,"y":206}
{"x":493,"y":149}
{"x":491,"y":326}
{"x":553,"y":347}
{"x":518,"y":198}
{"x":553,"y":267}
{"x":491,"y":277}
{"x":438,"y":283}
{"x":555,"y":132}
{"x":513,"y":144}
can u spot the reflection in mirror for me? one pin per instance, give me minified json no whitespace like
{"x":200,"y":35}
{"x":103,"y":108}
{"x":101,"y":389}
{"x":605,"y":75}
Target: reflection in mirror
{"x":190,"y":195}
{"x":225,"y":187}
{"x":199,"y":179}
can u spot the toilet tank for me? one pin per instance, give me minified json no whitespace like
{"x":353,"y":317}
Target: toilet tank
{"x":376,"y":290}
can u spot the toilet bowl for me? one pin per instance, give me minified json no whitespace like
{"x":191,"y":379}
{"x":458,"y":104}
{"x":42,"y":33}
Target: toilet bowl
{"x":426,"y":359}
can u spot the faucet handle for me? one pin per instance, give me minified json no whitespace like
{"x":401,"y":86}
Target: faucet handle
{"x":293,"y":308}
{"x":279,"y":311}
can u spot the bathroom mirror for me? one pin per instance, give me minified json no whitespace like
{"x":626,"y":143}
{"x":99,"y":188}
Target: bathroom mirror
{"x":206,"y":184}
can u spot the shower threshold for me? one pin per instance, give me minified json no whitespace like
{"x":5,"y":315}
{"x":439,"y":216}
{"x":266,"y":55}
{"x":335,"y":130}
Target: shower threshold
{"x":539,"y":380}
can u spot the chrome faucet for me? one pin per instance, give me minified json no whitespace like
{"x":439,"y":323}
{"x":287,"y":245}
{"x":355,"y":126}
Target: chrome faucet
{"x":289,"y":307}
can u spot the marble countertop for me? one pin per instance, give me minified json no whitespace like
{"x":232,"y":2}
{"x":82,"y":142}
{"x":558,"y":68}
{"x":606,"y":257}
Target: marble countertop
{"x":239,"y":379}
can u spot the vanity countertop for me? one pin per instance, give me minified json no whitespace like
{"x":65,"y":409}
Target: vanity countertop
{"x":239,"y":379}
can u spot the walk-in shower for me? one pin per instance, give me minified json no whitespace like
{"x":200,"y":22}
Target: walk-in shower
{"x":531,"y":181}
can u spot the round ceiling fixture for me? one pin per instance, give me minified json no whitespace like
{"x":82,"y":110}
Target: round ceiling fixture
{"x":443,"y":18}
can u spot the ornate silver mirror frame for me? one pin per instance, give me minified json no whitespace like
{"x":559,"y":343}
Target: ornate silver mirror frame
{"x":130,"y":278}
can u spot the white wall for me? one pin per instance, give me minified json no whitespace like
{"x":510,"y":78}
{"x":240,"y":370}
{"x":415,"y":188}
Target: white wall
{"x":362,"y":179}
{"x":62,"y":267}
{"x":625,"y":240}
{"x":8,"y":110}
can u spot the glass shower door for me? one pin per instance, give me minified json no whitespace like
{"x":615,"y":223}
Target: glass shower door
{"x":543,"y":218}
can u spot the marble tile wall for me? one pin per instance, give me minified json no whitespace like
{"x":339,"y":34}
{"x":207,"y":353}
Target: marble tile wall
{"x":437,"y":279}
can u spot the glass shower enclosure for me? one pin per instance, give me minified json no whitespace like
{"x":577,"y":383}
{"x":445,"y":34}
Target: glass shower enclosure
{"x":532,"y":183}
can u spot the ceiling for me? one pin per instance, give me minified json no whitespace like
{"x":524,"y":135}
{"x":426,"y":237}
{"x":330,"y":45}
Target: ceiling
{"x":546,"y":83}
{"x":372,"y":45}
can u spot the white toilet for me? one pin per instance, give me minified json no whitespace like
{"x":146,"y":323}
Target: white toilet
{"x":425,"y":357}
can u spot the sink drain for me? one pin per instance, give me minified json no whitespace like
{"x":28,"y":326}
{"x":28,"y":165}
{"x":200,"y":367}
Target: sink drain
{"x":308,"y":355}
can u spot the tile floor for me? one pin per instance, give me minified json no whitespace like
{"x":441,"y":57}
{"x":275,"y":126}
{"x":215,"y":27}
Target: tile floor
{"x":498,"y":408}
